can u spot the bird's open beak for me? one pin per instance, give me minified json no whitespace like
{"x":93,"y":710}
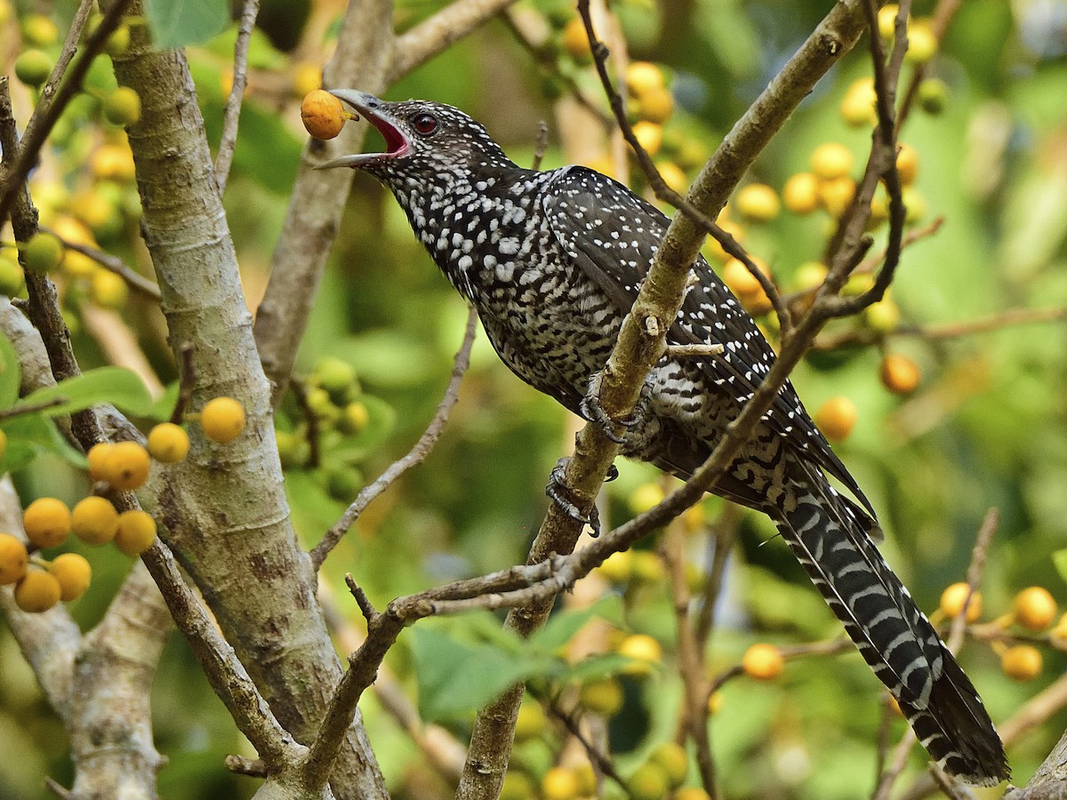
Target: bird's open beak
{"x":369,"y":106}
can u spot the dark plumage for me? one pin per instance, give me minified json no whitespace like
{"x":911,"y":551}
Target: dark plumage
{"x":552,"y":261}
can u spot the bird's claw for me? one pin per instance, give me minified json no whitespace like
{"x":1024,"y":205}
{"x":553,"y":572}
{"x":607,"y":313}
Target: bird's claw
{"x":614,"y":428}
{"x":557,"y":491}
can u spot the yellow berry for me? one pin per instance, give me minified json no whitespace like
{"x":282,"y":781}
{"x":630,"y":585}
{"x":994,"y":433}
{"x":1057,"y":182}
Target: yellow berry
{"x":831,"y":160}
{"x":922,"y":44}
{"x":12,"y":278}
{"x":618,"y":567}
{"x":73,"y":573}
{"x":3,"y":445}
{"x":836,"y":194}
{"x":1035,"y":608}
{"x":39,"y":30}
{"x":762,"y":661}
{"x":37,"y":591}
{"x":122,"y":106}
{"x":13,"y":559}
{"x":649,"y":782}
{"x":322,"y":114}
{"x":94,"y":520}
{"x":953,"y":598}
{"x":836,"y":418}
{"x":41,"y":254}
{"x":915,"y":204}
{"x":758,"y":202}
{"x":714,"y":703}
{"x":586,"y":776}
{"x":899,"y":374}
{"x":222,"y":419}
{"x":1022,"y":662}
{"x":530,"y":722}
{"x":112,"y":162}
{"x":887,"y":20}
{"x":673,"y":176}
{"x":674,"y":760}
{"x":559,"y":783}
{"x":933,"y":95}
{"x":96,"y":457}
{"x":691,"y":793}
{"x":46,"y":521}
{"x":645,"y":496}
{"x":810,"y":275}
{"x":649,"y":135}
{"x":801,"y":193}
{"x":603,"y":696}
{"x":643,"y":77}
{"x":907,"y":163}
{"x":858,"y":104}
{"x":737,"y":276}
{"x":647,"y":567}
{"x":644,"y":650}
{"x":168,"y":443}
{"x":1058,"y":635}
{"x":575,"y":40}
{"x":126,"y":466}
{"x":655,"y":105}
{"x":883,"y":316}
{"x":136,"y":533}
{"x":108,"y":289}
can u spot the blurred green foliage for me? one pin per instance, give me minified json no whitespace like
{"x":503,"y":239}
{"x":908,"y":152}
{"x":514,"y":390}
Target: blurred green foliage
{"x":986,"y":427}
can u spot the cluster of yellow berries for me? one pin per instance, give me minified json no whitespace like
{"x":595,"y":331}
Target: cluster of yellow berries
{"x":123,"y":466}
{"x":1034,"y":609}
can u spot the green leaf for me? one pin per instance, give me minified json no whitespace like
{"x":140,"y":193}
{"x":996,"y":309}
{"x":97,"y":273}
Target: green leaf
{"x":178,"y":23}
{"x":116,"y":385}
{"x":10,"y":374}
{"x":562,"y":626}
{"x":1059,"y":559}
{"x":31,"y":434}
{"x":457,"y":677}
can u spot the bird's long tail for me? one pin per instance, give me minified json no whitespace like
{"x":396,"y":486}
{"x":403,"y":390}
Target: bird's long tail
{"x":895,"y":638}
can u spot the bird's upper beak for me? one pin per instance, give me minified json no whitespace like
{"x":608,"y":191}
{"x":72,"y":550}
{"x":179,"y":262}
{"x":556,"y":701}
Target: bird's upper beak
{"x":369,"y":106}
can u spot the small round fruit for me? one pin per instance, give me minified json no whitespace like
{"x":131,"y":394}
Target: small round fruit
{"x":837,"y":417}
{"x":649,"y":135}
{"x":899,"y":374}
{"x":922,"y":43}
{"x":645,"y":496}
{"x":336,"y":376}
{"x":758,"y":202}
{"x":33,"y":67}
{"x":601,"y":697}
{"x":94,"y":520}
{"x":831,"y":160}
{"x":354,"y":417}
{"x":322,"y":114}
{"x":559,"y":783}
{"x":107,"y":289}
{"x":644,"y":650}
{"x":836,"y":194}
{"x":97,"y":457}
{"x":655,"y":106}
{"x":907,"y":163}
{"x":673,"y":176}
{"x":883,"y":316}
{"x":3,"y":445}
{"x":13,"y":559}
{"x":649,"y":782}
{"x":122,"y":106}
{"x":531,"y":721}
{"x":953,"y":598}
{"x":801,"y":193}
{"x":674,"y":760}
{"x":12,"y":278}
{"x":73,"y":573}
{"x":222,"y":419}
{"x":887,"y":20}
{"x":933,"y":96}
{"x":575,"y":40}
{"x":1022,"y":662}
{"x":737,"y":276}
{"x":914,"y":203}
{"x":39,"y":30}
{"x":1035,"y":608}
{"x":168,"y":443}
{"x":126,"y":466}
{"x":643,"y":77}
{"x":858,"y":105}
{"x":586,"y":775}
{"x":37,"y":591}
{"x":763,"y":661}
{"x":691,"y":793}
{"x":810,"y":275}
{"x":46,"y":521}
{"x":136,"y":533}
{"x":42,"y":253}
{"x":617,"y":568}
{"x":648,"y":567}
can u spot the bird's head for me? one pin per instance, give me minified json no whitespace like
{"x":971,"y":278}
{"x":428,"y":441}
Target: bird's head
{"x":422,"y":140}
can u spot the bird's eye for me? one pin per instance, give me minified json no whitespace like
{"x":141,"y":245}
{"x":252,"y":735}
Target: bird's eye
{"x":425,"y":124}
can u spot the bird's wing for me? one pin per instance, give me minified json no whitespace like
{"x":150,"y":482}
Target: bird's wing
{"x":612,"y":234}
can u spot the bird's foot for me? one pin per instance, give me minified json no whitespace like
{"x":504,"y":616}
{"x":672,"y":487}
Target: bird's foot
{"x":558,"y":492}
{"x":614,"y":429}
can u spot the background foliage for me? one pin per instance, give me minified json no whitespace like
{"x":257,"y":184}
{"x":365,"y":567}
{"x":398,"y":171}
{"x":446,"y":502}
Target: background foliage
{"x":985,"y":428}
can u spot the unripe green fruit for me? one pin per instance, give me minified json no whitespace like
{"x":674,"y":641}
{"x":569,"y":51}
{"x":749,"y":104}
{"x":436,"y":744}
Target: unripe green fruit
{"x":33,"y":67}
{"x":649,"y":782}
{"x":674,"y":760}
{"x":293,"y":449}
{"x":122,"y":106}
{"x":933,"y":95}
{"x":344,"y":483}
{"x":42,"y":253}
{"x":354,"y":418}
{"x":12,"y":278}
{"x":335,"y":376}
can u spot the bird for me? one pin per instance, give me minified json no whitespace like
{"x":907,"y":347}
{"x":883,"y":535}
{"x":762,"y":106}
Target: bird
{"x":552,"y":262}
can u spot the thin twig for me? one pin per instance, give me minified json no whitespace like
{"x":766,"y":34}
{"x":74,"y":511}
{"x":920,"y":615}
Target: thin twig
{"x":186,"y":383}
{"x":542,"y":145}
{"x":31,"y":408}
{"x":232,"y":114}
{"x":415,"y":456}
{"x":112,"y":264}
{"x":694,"y":350}
{"x":601,"y":760}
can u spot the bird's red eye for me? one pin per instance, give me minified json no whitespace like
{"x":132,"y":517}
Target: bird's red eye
{"x":425,"y":124}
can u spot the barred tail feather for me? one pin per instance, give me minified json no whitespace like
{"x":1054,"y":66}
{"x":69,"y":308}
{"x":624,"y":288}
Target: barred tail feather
{"x":894,"y":637}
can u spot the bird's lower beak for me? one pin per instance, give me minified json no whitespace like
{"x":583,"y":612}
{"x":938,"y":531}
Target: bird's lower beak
{"x":371,"y":108}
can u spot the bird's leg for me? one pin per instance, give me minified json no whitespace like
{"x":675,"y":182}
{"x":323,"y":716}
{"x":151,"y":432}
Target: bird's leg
{"x":614,"y":429}
{"x":557,"y":490}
